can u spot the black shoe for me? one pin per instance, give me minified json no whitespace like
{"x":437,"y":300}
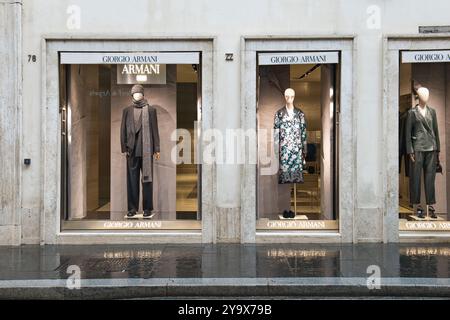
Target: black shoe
{"x":147,"y":213}
{"x":420,"y":213}
{"x":433,"y":212}
{"x":286,"y":214}
{"x":131,"y":214}
{"x":291,"y":214}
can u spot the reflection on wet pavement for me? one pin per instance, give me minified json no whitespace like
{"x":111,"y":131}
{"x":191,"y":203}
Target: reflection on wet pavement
{"x":225,"y":261}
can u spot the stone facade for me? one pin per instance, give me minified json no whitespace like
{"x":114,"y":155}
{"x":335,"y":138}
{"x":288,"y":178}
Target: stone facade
{"x":367,"y":32}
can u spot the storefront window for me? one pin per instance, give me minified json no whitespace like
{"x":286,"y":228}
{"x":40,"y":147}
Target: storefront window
{"x":424,"y":113}
{"x":128,"y":140}
{"x":297,"y":107}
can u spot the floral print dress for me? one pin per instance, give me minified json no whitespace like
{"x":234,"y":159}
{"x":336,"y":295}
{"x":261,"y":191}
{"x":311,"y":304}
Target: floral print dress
{"x":290,"y":144}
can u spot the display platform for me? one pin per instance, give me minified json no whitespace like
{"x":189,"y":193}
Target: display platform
{"x":416,"y":218}
{"x":297,"y":217}
{"x":140,"y":216}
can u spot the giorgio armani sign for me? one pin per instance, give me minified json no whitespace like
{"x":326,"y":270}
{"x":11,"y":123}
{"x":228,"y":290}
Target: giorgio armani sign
{"x":129,"y":58}
{"x":280,"y":58}
{"x":426,"y":56}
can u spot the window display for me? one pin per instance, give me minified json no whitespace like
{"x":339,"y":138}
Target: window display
{"x":139,"y":139}
{"x":290,"y":126}
{"x":128,"y":123}
{"x":423,"y":148}
{"x":297,"y":107}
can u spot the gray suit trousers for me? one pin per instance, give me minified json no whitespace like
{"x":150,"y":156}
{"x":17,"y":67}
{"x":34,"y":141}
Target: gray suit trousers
{"x":426,"y":162}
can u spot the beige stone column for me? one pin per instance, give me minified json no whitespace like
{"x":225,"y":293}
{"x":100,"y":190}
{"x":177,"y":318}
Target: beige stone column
{"x":10,"y":121}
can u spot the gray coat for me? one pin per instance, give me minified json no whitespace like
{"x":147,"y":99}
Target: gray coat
{"x":131,"y":137}
{"x":421,"y":133}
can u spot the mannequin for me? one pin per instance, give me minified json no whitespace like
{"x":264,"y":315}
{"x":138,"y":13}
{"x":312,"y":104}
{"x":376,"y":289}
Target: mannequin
{"x":291,"y":125}
{"x":422,"y":146}
{"x":139,"y":137}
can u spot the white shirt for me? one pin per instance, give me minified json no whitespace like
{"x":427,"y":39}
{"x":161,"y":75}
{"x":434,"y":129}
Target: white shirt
{"x":423,"y":111}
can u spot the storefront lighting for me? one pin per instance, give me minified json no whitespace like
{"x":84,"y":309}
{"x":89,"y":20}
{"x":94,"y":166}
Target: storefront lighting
{"x":307,"y":73}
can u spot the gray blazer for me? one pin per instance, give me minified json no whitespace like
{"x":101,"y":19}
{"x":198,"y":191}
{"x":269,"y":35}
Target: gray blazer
{"x":421,"y":133}
{"x":131,"y":138}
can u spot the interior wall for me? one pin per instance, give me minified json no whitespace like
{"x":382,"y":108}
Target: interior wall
{"x":163,"y":98}
{"x":433,"y":76}
{"x":405,"y":78}
{"x":272,"y":197}
{"x":307,"y":92}
{"x":447,"y":135}
{"x":405,"y":103}
{"x":326,"y":154}
{"x":83,"y":147}
{"x":104,"y":134}
{"x":92,"y":142}
{"x":187,"y":185}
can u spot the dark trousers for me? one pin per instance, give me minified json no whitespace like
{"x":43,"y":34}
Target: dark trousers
{"x":134,"y":167}
{"x":426,"y":161}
